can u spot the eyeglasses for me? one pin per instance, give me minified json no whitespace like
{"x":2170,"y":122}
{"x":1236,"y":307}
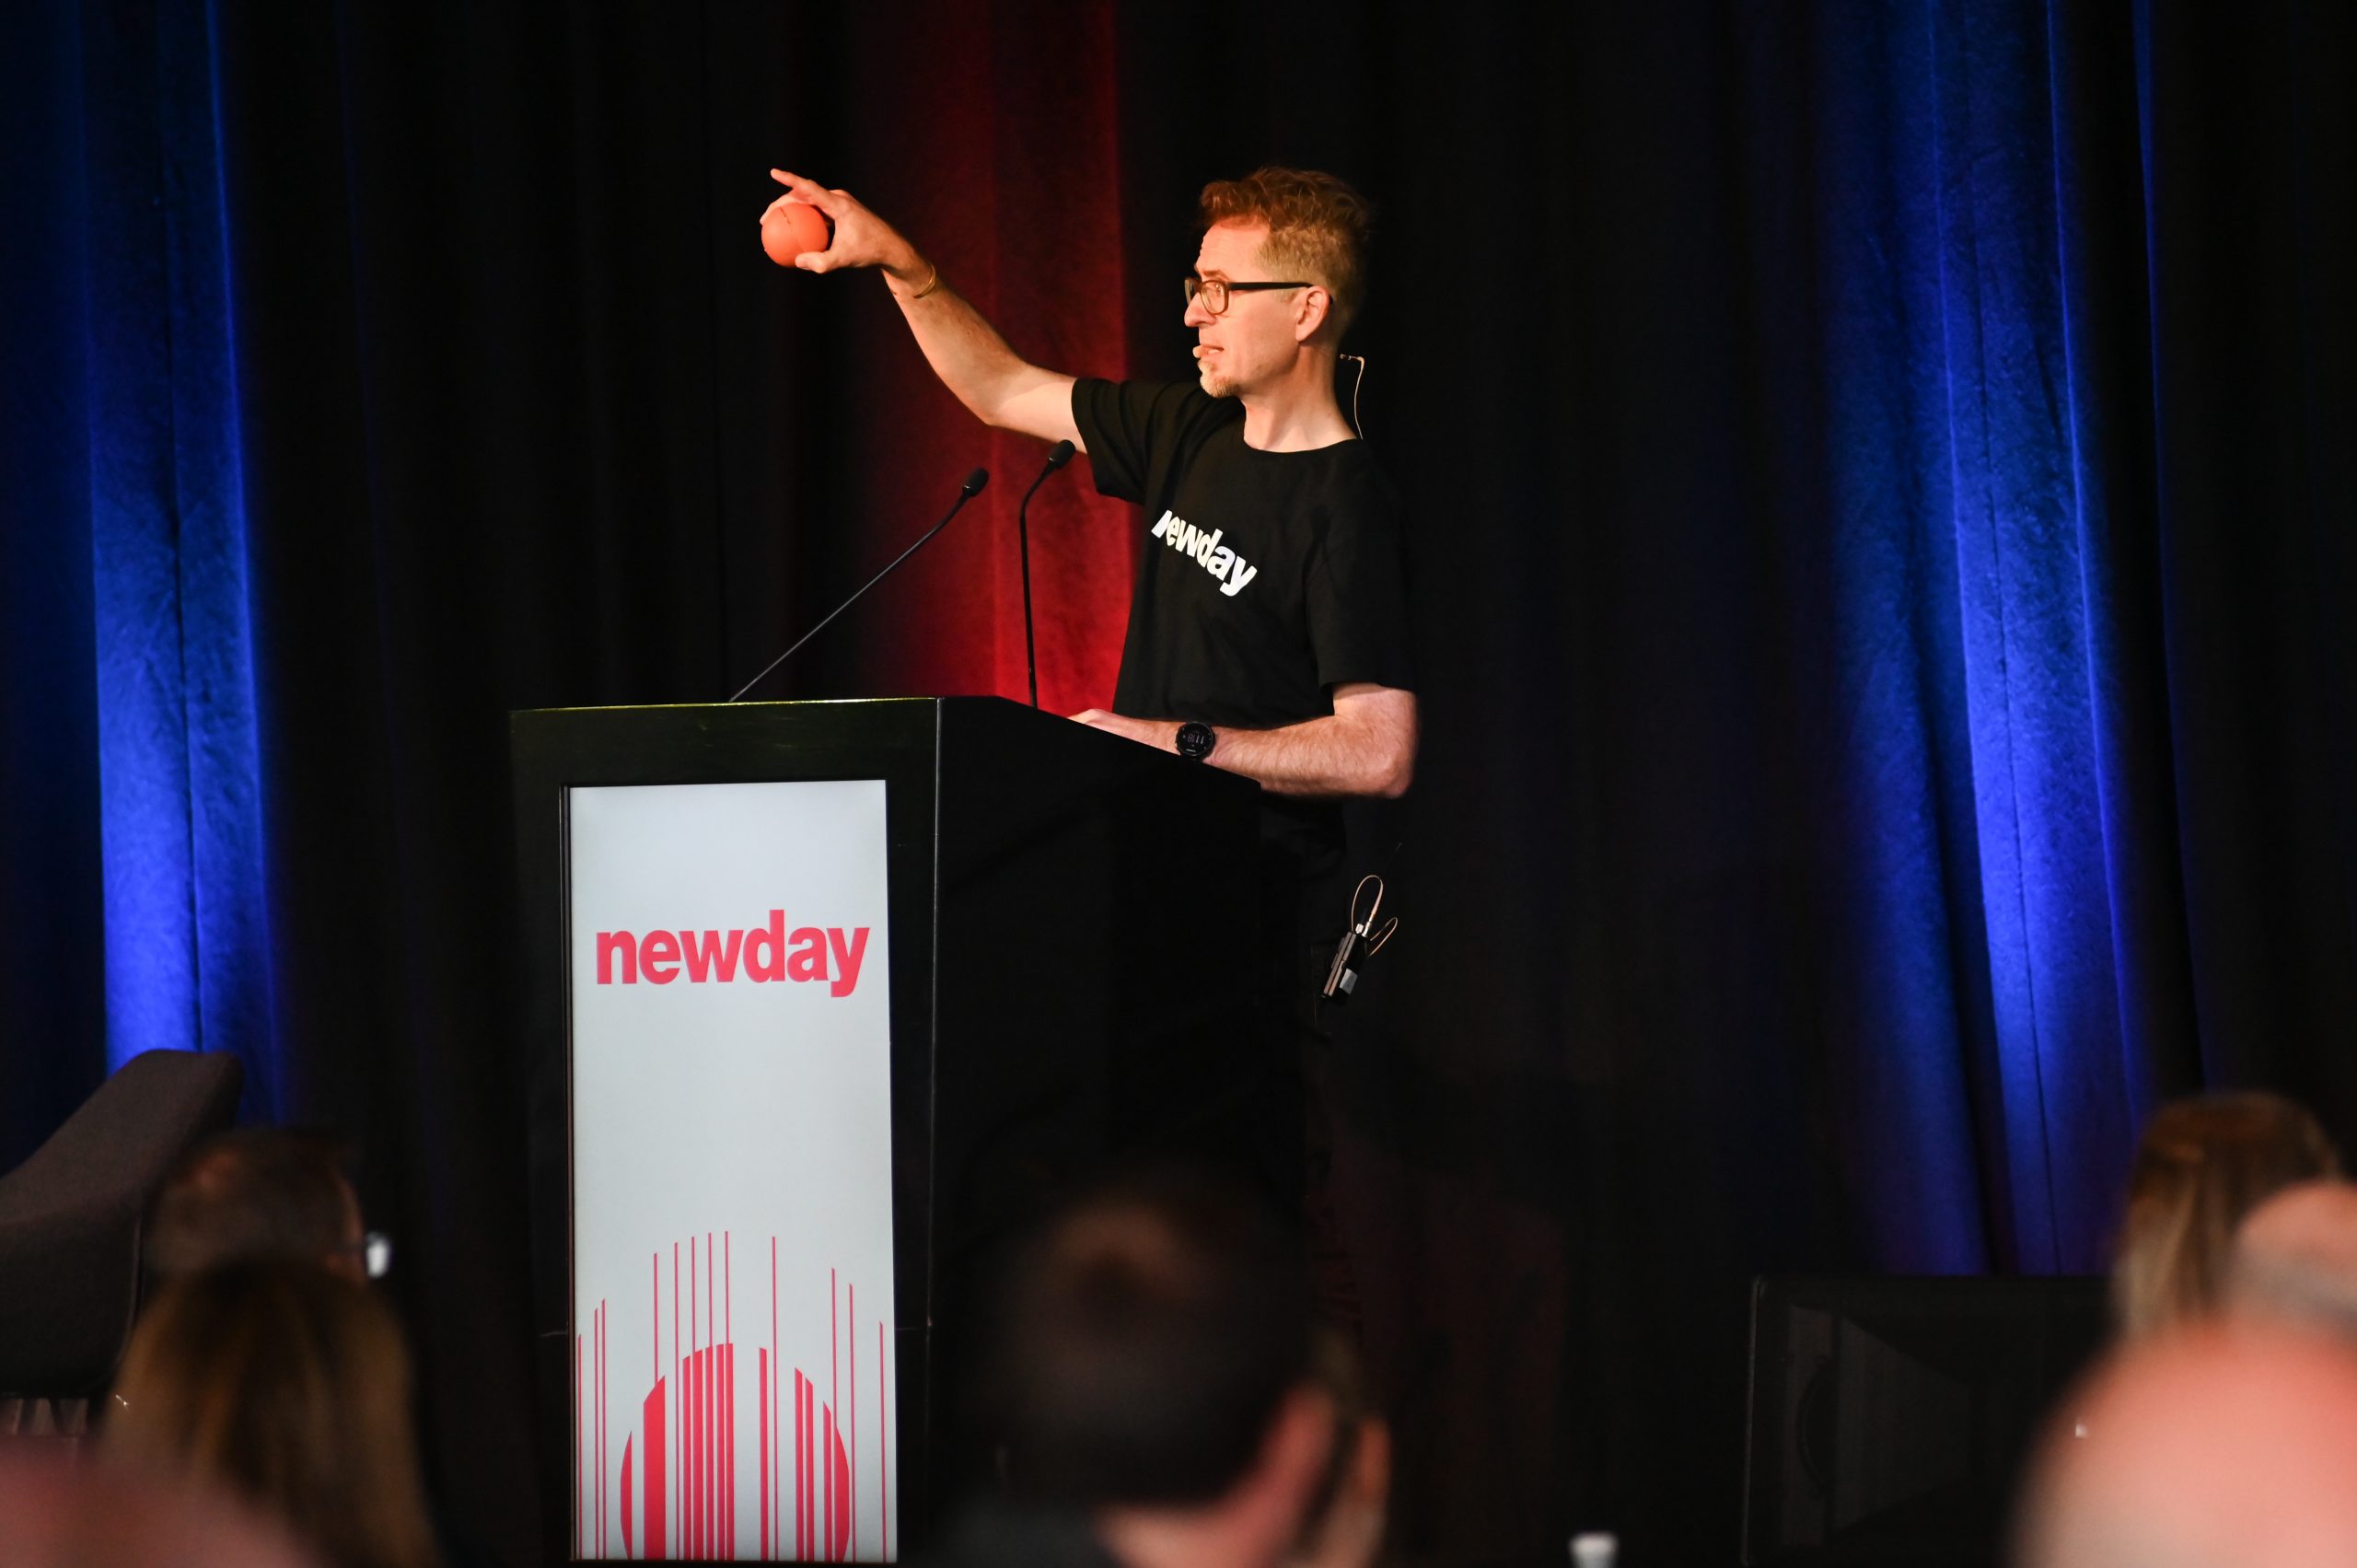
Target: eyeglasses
{"x":1214,"y":292}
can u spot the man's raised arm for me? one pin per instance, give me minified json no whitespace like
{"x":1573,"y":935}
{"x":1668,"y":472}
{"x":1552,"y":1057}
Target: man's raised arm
{"x":1001,"y":387}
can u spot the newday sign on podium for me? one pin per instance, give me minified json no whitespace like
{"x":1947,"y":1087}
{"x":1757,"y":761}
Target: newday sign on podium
{"x":822,"y":1001}
{"x":734,"y":1385}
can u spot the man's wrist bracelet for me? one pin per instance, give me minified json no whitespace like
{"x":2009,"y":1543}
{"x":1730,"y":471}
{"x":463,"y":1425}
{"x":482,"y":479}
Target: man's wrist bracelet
{"x":931,"y":284}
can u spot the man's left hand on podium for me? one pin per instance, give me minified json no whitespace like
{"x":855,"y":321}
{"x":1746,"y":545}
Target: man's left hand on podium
{"x":1160,"y":734}
{"x":1366,"y":747}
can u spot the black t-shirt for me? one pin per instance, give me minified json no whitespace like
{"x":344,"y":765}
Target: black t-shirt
{"x":1267,"y":579}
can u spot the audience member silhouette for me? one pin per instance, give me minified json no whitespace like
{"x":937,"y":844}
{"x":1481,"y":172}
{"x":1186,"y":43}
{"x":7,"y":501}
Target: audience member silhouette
{"x":57,"y":1513}
{"x":1346,"y":1526}
{"x":2202,"y":1164}
{"x":1160,"y":1399}
{"x":2213,"y":1446}
{"x":2294,"y":1259}
{"x":289,"y":1386}
{"x":257,"y":1192}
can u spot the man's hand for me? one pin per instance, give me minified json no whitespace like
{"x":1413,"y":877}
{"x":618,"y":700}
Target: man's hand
{"x":1366,"y":747}
{"x":999,"y":385}
{"x":1160,"y":734}
{"x":862,"y":240}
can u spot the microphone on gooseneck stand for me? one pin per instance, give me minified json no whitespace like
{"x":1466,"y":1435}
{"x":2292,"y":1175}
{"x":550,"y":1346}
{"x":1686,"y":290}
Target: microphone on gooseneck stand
{"x":966,"y":491}
{"x":1058,"y":456}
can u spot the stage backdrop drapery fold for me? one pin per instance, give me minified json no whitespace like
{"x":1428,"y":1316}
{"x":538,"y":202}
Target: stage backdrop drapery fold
{"x":1882,"y":552}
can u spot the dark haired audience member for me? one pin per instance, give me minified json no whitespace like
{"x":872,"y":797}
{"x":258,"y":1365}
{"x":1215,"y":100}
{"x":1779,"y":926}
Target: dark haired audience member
{"x":288,"y":1387}
{"x":1160,"y":1399}
{"x":257,"y":1192}
{"x":2202,"y":1165}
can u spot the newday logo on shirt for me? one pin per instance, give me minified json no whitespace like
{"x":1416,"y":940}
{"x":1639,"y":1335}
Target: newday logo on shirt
{"x":1205,"y":549}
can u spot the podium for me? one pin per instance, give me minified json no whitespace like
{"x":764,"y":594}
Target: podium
{"x":826,"y":1001}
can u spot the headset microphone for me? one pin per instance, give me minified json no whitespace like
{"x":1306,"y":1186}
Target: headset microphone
{"x":1361,"y":941}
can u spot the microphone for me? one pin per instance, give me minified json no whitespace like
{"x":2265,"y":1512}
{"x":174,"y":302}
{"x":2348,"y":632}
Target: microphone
{"x":966,"y":491}
{"x":1058,"y":456}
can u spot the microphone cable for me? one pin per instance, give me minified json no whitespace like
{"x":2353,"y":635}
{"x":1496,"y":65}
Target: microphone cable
{"x":1058,"y":456}
{"x":1359,"y":360}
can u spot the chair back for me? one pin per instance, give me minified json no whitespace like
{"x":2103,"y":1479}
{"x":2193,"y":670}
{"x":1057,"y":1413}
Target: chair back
{"x":71,"y":1216}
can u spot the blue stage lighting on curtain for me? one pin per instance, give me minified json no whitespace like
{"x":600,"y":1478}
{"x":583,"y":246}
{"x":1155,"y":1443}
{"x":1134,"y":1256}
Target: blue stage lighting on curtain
{"x":1973,"y":548}
{"x":1866,"y":445}
{"x":2034,"y":581}
{"x":181,"y":813}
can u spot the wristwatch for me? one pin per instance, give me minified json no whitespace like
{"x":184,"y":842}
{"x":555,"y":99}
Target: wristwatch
{"x":1196,"y":740}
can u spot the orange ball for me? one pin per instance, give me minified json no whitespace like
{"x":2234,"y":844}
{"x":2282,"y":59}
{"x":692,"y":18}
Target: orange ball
{"x":789,"y":228}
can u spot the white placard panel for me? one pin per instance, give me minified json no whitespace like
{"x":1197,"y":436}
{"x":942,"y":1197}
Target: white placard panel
{"x":732,"y":1173}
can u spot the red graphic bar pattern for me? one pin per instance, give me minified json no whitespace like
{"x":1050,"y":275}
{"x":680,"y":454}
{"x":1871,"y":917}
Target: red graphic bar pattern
{"x":674,"y":1482}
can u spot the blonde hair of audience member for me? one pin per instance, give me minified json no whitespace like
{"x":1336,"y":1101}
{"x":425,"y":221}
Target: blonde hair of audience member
{"x":290,"y":1388}
{"x":2295,"y":1259}
{"x":2202,"y":1164}
{"x":2213,"y":1446}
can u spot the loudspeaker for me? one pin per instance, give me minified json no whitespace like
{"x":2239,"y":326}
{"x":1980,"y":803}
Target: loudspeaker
{"x":1890,"y":1418}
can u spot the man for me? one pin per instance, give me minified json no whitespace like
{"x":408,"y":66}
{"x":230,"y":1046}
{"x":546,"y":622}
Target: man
{"x":1157,"y":1396}
{"x":1268,"y":625}
{"x":1291,"y":651}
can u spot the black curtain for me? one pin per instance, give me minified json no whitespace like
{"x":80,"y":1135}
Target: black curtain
{"x":1882,"y":565}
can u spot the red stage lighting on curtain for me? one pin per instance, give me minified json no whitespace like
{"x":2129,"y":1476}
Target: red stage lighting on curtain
{"x":998,"y":154}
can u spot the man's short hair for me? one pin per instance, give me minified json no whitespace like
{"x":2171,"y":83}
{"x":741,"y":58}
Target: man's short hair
{"x":1318,"y":228}
{"x":255,"y":1193}
{"x":1146,"y":1343}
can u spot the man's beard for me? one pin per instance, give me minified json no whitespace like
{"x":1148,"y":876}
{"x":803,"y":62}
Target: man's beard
{"x":1214,"y":383}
